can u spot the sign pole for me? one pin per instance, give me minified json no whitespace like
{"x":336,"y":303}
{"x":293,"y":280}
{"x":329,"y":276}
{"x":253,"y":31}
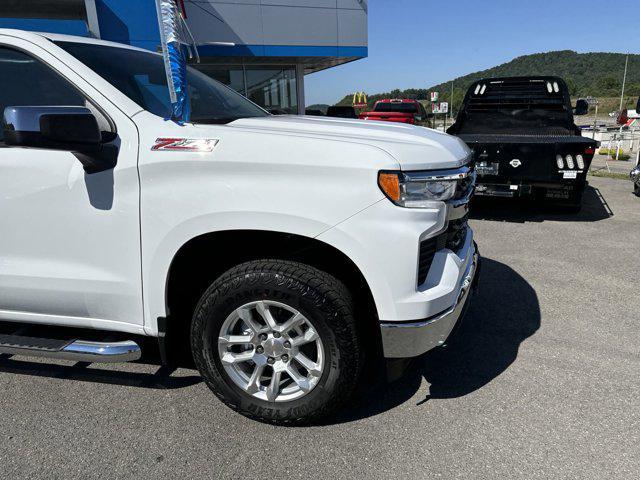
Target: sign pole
{"x":451,"y":106}
{"x":624,"y":81}
{"x":434,"y":109}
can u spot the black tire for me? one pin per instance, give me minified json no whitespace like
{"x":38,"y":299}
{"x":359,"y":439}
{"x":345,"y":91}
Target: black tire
{"x":636,"y":189}
{"x":320,"y":297}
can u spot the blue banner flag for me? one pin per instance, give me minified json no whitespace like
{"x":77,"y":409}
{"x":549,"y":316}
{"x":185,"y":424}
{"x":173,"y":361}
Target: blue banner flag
{"x":176,"y":46}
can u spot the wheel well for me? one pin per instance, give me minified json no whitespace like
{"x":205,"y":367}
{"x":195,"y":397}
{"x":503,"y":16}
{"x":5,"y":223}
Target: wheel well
{"x":203,"y":259}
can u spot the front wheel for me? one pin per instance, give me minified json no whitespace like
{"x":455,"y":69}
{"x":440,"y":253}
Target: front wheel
{"x":277,"y":341}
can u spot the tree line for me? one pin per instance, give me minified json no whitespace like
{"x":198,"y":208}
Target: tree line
{"x":587,"y":74}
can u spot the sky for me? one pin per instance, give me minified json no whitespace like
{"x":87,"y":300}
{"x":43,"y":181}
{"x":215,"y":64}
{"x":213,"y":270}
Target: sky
{"x":420,"y":43}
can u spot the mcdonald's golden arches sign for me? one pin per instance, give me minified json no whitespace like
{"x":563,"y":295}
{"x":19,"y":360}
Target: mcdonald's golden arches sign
{"x":360,"y":100}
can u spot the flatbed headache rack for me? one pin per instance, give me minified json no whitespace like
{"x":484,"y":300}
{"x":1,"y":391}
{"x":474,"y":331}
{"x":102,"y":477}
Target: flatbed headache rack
{"x":542,"y":92}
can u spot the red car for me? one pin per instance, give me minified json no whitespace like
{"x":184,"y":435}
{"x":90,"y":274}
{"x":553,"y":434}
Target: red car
{"x":397,"y":110}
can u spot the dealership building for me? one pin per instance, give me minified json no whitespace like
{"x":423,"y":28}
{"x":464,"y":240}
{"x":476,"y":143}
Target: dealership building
{"x":261,"y":48}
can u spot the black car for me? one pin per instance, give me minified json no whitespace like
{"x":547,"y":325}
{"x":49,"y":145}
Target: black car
{"x":635,"y":177}
{"x":524,"y":139}
{"x":342,"y":112}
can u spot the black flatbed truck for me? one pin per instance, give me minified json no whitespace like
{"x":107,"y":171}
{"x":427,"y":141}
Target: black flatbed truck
{"x":524,"y":139}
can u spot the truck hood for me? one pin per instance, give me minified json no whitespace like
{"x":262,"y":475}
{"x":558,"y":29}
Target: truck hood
{"x":414,"y":148}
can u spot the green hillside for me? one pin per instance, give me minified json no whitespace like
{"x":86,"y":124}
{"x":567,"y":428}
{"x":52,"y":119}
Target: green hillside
{"x":596,"y":74}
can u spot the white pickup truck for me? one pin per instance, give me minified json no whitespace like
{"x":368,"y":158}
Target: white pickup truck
{"x":281,"y":253}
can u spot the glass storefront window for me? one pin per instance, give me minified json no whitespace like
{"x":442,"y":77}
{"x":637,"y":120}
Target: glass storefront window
{"x":272,"y":87}
{"x":232,"y":76}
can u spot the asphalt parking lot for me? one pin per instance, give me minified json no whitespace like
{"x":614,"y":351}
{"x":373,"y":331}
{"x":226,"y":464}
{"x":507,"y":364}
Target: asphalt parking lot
{"x":543,"y":381}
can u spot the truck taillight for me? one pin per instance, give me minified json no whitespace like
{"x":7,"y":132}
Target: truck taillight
{"x":589,"y":151}
{"x":580,"y":162}
{"x":569,"y":160}
{"x":559,"y":160}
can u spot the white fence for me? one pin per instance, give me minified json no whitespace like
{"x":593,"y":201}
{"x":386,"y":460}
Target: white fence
{"x":628,"y":140}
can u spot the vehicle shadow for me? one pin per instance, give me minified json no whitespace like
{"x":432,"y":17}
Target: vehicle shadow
{"x":594,"y":208}
{"x":160,"y":380}
{"x":504,"y":312}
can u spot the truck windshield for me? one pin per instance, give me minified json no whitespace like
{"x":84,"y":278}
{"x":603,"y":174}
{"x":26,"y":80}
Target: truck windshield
{"x":396,"y":107}
{"x":141,"y":77}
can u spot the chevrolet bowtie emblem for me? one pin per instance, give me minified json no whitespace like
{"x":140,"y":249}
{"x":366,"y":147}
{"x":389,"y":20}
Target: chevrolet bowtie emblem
{"x":515,"y":163}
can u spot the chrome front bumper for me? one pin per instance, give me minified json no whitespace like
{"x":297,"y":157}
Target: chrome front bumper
{"x":410,"y":339}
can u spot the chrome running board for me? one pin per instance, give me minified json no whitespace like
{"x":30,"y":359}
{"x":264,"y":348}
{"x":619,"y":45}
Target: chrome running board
{"x":74,"y":350}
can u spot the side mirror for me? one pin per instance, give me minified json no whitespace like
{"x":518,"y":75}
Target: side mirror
{"x":57,"y":128}
{"x":582,"y":107}
{"x":72,"y":129}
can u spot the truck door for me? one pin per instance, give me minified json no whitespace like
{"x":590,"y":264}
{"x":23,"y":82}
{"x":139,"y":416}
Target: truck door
{"x":69,"y":240}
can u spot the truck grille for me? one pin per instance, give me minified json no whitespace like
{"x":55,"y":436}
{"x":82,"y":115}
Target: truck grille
{"x":452,"y":238}
{"x":428,"y":249}
{"x":456,"y":233}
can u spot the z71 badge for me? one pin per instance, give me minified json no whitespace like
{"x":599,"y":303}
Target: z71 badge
{"x":515,"y":163}
{"x":196,"y":145}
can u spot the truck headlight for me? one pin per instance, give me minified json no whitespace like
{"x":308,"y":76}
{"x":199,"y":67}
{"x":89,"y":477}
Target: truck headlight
{"x":418,"y":189}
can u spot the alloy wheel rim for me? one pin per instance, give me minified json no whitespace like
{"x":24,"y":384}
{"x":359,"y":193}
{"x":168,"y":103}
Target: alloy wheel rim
{"x":271,"y":351}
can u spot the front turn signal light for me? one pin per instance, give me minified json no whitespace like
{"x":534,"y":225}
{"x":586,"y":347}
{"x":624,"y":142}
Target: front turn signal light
{"x":390,"y":185}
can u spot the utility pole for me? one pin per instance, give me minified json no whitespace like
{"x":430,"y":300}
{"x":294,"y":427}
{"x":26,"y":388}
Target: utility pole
{"x":451,"y":105}
{"x":595,"y":121}
{"x":624,"y":81}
